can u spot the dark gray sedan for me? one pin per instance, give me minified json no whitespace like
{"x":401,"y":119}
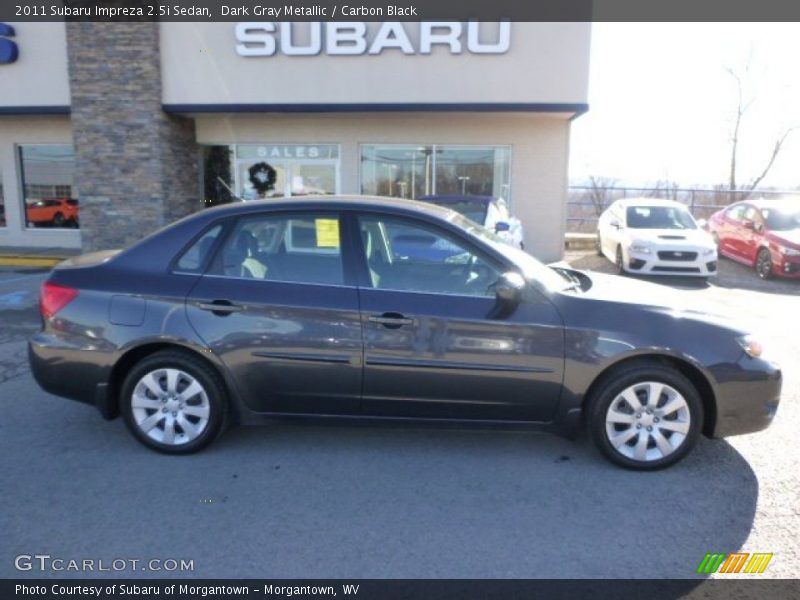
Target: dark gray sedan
{"x":367,"y":307}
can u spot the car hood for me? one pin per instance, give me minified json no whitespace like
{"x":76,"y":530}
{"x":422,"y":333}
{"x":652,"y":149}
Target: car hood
{"x":792,"y":236}
{"x":652,"y":296}
{"x":689,"y":237}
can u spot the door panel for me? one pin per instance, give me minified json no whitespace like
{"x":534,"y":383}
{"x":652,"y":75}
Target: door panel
{"x":452,"y":361}
{"x":275,"y":309}
{"x":431,"y":346}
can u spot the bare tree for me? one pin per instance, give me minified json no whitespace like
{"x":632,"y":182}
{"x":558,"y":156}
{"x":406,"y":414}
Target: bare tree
{"x":742,"y":104}
{"x":601,"y":192}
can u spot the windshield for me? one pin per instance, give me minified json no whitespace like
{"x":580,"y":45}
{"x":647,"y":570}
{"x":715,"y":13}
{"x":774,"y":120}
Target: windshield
{"x":659,"y":217}
{"x":474,"y":211}
{"x":531,"y":268}
{"x":781,"y":220}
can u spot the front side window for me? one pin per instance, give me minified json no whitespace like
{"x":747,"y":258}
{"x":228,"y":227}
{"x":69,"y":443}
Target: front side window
{"x":290,"y":248}
{"x":48,"y":173}
{"x":408,"y":256}
{"x":736,"y":213}
{"x":659,"y":217}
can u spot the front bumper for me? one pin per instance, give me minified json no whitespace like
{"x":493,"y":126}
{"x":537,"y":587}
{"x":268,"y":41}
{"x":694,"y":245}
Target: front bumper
{"x":787,"y":266}
{"x":672,"y":261}
{"x":748,"y":394}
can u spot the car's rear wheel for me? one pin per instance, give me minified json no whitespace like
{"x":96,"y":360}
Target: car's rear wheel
{"x":646,"y":417}
{"x":620,"y":261}
{"x":764,"y":264}
{"x":58,"y":220}
{"x":173,"y":402}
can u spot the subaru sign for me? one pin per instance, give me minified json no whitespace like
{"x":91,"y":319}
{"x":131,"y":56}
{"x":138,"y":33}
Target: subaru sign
{"x":9,"y":52}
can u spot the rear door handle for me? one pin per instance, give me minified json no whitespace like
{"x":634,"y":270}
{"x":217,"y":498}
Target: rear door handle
{"x":391,"y":320}
{"x":220,"y":307}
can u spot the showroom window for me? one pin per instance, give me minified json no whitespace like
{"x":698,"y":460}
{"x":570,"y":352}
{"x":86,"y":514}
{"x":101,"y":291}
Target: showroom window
{"x":274,"y":170}
{"x":48,"y":172}
{"x":412,"y":170}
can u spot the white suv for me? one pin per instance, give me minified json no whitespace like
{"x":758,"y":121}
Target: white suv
{"x":655,"y":237}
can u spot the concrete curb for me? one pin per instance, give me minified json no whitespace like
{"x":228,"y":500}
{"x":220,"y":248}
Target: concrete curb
{"x":29,"y":260}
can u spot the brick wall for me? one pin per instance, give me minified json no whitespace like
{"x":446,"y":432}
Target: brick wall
{"x":136,"y":166}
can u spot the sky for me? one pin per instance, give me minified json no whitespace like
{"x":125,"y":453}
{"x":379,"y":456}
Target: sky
{"x":661,"y":103}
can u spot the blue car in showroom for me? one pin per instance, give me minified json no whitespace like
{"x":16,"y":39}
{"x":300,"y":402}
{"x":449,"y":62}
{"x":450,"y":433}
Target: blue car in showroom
{"x":285,"y":308}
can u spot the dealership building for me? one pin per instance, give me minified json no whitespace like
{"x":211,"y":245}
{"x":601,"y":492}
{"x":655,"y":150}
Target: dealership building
{"x":143,"y":123}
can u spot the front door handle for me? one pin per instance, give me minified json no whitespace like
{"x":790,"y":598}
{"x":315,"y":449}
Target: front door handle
{"x":391,"y":320}
{"x":220,"y":307}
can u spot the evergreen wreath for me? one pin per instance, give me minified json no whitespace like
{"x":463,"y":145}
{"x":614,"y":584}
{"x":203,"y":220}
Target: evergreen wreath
{"x":263,"y":177}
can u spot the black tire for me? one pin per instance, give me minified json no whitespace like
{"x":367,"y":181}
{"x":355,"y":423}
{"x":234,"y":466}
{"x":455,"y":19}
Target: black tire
{"x":764,"y":264}
{"x":58,"y":220}
{"x":609,"y":391}
{"x":598,"y":244}
{"x":208,"y":378}
{"x":620,"y":262}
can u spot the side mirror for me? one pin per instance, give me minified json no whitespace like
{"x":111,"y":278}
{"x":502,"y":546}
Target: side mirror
{"x":501,"y":226}
{"x":508,"y":291}
{"x":702,"y":223}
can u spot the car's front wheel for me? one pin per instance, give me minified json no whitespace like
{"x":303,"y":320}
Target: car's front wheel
{"x":620,"y":261}
{"x":173,"y":402}
{"x":598,"y":245}
{"x":764,"y":264}
{"x":646,"y":417}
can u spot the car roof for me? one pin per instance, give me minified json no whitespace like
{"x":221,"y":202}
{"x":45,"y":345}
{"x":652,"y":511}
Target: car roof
{"x":774,"y":203}
{"x":455,"y":198}
{"x":628,"y":202}
{"x":331,"y":202}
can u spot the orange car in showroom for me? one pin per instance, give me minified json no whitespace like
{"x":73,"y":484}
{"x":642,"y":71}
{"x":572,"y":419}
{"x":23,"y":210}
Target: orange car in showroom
{"x":56,"y":212}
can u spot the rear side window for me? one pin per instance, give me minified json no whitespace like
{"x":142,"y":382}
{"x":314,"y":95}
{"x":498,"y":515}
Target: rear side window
{"x":293,"y":248}
{"x":193,"y":259}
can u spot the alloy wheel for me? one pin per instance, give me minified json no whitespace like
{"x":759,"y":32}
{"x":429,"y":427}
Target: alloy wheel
{"x":764,"y":264}
{"x":647,"y":421}
{"x":170,"y":406}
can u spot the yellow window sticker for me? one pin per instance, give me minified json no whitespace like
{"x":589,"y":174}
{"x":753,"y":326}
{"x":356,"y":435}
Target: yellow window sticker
{"x":327,"y":233}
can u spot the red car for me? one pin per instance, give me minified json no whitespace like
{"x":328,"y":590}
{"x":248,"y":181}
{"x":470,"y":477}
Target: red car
{"x":764,"y":234}
{"x":58,"y":212}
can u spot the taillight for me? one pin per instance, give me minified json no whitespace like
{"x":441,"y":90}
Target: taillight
{"x":54,"y":297}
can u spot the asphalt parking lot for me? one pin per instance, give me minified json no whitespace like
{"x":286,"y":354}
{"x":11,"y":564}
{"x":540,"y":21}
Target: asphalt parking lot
{"x":312,"y":501}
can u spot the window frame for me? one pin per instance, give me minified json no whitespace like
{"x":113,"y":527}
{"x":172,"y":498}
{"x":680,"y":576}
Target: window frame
{"x":365,"y":280}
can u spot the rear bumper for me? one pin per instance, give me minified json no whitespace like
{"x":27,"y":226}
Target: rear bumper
{"x":748,"y":397}
{"x":69,"y":372}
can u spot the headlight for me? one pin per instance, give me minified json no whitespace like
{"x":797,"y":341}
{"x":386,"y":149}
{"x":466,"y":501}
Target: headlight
{"x":788,"y":251}
{"x":709,"y":251}
{"x":751,"y":346}
{"x":640,"y":248}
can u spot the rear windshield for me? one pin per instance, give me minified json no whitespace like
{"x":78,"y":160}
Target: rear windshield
{"x":659,"y":217}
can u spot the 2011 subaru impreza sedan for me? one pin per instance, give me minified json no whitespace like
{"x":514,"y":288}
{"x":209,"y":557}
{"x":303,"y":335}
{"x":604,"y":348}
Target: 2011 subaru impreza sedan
{"x":247,"y":312}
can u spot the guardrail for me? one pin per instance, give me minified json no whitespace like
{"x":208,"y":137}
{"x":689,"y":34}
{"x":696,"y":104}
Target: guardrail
{"x":582,"y":212}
